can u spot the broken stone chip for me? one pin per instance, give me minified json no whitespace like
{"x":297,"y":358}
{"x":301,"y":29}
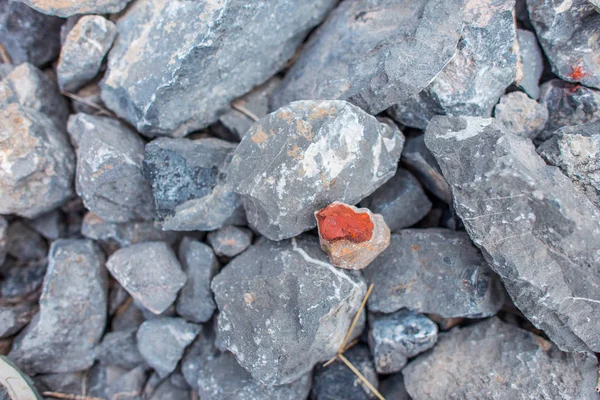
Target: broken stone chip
{"x":351,"y":236}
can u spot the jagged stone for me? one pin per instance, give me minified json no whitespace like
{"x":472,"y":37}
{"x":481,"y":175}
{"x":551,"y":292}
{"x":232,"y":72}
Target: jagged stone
{"x":14,"y":318}
{"x":521,"y":115}
{"x":51,"y":225}
{"x":25,"y":244}
{"x":112,"y":382}
{"x":119,"y":348}
{"x":530,"y":64}
{"x":230,"y":241}
{"x":67,"y":8}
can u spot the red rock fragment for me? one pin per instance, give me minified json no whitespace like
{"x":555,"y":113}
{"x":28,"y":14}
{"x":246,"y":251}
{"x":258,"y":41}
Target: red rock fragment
{"x":338,"y":221}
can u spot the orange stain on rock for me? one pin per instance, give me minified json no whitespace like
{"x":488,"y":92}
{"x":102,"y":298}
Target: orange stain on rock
{"x":338,"y":222}
{"x":578,"y":73}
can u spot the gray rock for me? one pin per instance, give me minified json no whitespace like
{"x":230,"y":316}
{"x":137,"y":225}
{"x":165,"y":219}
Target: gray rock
{"x":82,"y":53}
{"x":495,"y":360}
{"x":51,"y":225}
{"x":284,"y":308}
{"x":306,"y":155}
{"x":521,"y":115}
{"x":548,"y":250}
{"x":530,"y":64}
{"x":198,"y":355}
{"x":3,"y":239}
{"x":70,"y":22}
{"x":394,"y":338}
{"x":5,"y":69}
{"x":72,"y":315}
{"x":230,"y":241}
{"x":375,"y":53}
{"x":14,"y":318}
{"x":127,"y":317}
{"x":22,"y":280}
{"x":68,"y":8}
{"x":190,"y":186}
{"x":119,"y":348}
{"x":421,"y":262}
{"x":150,"y":272}
{"x":70,"y":382}
{"x":111,"y":382}
{"x":166,"y":390}
{"x":401,"y":201}
{"x":393,"y":388}
{"x":25,"y":244}
{"x":185,"y":80}
{"x":27,"y":35}
{"x":195,"y":302}
{"x":89,"y":94}
{"x":566,"y":32}
{"x":161,"y":342}
{"x":109,"y":169}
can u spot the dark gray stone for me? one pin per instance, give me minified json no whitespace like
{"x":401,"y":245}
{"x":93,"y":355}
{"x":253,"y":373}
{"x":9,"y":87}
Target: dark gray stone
{"x":119,"y":348}
{"x":230,"y":241}
{"x":89,"y":94}
{"x":306,"y":155}
{"x":190,"y":186}
{"x":72,"y":316}
{"x":530,"y":65}
{"x":393,"y":388}
{"x":67,"y":8}
{"x":14,"y":318}
{"x":161,"y":342}
{"x":375,"y":53}
{"x":70,"y":382}
{"x":127,"y":317}
{"x":166,"y":390}
{"x":51,"y":225}
{"x":198,"y":355}
{"x":537,"y":231}
{"x":109,"y":169}
{"x":495,"y":360}
{"x":521,"y":115}
{"x":421,"y":262}
{"x":170,"y":78}
{"x":22,"y":280}
{"x":25,"y":244}
{"x":150,"y":272}
{"x":3,"y":239}
{"x":116,"y":383}
{"x":284,"y":308}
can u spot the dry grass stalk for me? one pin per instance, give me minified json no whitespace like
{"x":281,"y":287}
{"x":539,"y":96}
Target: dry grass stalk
{"x":88,"y":103}
{"x":68,"y":396}
{"x":244,"y":110}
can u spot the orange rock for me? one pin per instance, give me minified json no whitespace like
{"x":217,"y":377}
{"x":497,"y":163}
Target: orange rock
{"x":338,"y":221}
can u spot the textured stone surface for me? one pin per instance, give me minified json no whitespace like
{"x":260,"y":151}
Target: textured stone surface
{"x":166,"y":390}
{"x":112,"y":382}
{"x":66,"y":8}
{"x":161,"y":342}
{"x":495,"y":360}
{"x":230,"y":241}
{"x":284,"y":308}
{"x":567,"y":34}
{"x":51,"y":225}
{"x":198,"y":354}
{"x":375,"y":53}
{"x":393,"y":387}
{"x":3,"y":238}
{"x":84,"y":49}
{"x":14,"y":318}
{"x":191,"y":188}
{"x":401,"y":201}
{"x":420,"y":262}
{"x":150,"y":272}
{"x":306,"y":155}
{"x":396,"y":337}
{"x":521,"y":115}
{"x":119,"y":348}
{"x":547,"y":255}
{"x":70,"y":382}
{"x":72,"y":314}
{"x":25,"y":244}
{"x":22,"y":280}
{"x":171,"y":78}
{"x":530,"y":64}
{"x":109,"y":169}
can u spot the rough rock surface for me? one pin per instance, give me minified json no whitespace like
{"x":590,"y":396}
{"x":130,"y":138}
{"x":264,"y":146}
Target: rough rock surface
{"x":199,"y":354}
{"x":499,"y":361}
{"x":420,"y":262}
{"x":567,"y":33}
{"x":67,"y":8}
{"x":112,"y":382}
{"x":393,"y":387}
{"x":521,"y":115}
{"x":72,"y":316}
{"x":230,"y":241}
{"x":161,"y":342}
{"x":190,"y":186}
{"x":375,"y":53}
{"x":25,"y":244}
{"x":149,"y":272}
{"x":51,"y":225}
{"x":306,"y":155}
{"x":167,"y":390}
{"x":14,"y":318}
{"x":284,"y":308}
{"x":550,"y":242}
{"x":84,"y":49}
{"x":3,"y":238}
{"x":530,"y":65}
{"x":396,"y":337}
{"x":185,"y":80}
{"x":119,"y":348}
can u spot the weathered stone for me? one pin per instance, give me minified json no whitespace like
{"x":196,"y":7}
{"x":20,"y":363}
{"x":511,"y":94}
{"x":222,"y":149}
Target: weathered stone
{"x":112,"y":382}
{"x":51,"y":225}
{"x":375,"y":53}
{"x":401,"y":201}
{"x":22,"y":280}
{"x":161,"y":342}
{"x":127,"y":317}
{"x":421,"y":262}
{"x":230,"y":241}
{"x":72,"y":315}
{"x":495,"y":360}
{"x":89,"y":94}
{"x":6,"y":69}
{"x":166,"y":390}
{"x":521,"y":115}
{"x":284,"y":308}
{"x":530,"y":64}
{"x":150,"y":272}
{"x":393,"y":387}
{"x":198,"y":354}
{"x":119,"y":348}
{"x":67,"y":8}
{"x":306,"y":155}
{"x":185,"y":80}
{"x":84,"y":49}
{"x":25,"y":244}
{"x":3,"y":239}
{"x":190,"y":186}
{"x":567,"y":32}
{"x":70,"y":382}
{"x":394,"y":338}
{"x":548,"y":253}
{"x":14,"y":318}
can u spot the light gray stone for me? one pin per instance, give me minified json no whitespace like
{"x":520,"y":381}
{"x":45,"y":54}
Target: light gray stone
{"x":521,"y":115}
{"x":230,"y":240}
{"x":530,"y":64}
{"x":14,"y":318}
{"x":67,"y":8}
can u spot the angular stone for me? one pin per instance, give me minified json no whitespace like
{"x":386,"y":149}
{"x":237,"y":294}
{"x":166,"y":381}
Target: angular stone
{"x":375,"y":54}
{"x":22,"y":280}
{"x":567,"y":32}
{"x":150,"y":272}
{"x":284,"y":308}
{"x":499,"y":361}
{"x":89,"y":94}
{"x":185,"y":80}
{"x":547,"y":255}
{"x":161,"y":342}
{"x":420,"y":262}
{"x":112,"y":382}
{"x":25,"y":244}
{"x":51,"y":225}
{"x":198,"y":354}
{"x":3,"y":239}
{"x":190,"y":186}
{"x":72,"y":315}
{"x":396,"y":337}
{"x":14,"y":318}
{"x":195,"y":302}
{"x":119,"y":348}
{"x":230,"y":241}
{"x":306,"y":155}
{"x":84,"y":49}
{"x":530,"y":64}
{"x":70,"y":382}
{"x":166,"y":390}
{"x":68,"y":8}
{"x":401,"y":201}
{"x":521,"y":115}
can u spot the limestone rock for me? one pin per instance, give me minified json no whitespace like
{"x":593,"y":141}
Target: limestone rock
{"x":230,"y":241}
{"x":67,"y":8}
{"x":530,"y":65}
{"x":521,"y":115}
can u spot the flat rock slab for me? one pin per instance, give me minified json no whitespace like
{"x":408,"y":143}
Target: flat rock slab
{"x":306,"y":155}
{"x":67,"y":8}
{"x":495,"y":360}
{"x":521,"y":115}
{"x":535,"y":228}
{"x":284,"y":308}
